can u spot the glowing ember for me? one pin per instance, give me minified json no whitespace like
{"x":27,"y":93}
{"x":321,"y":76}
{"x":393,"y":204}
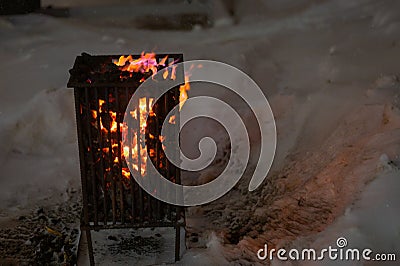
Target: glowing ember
{"x":94,"y":114}
{"x":172,"y":120}
{"x":101,"y":102}
{"x":133,"y":114}
{"x":137,"y":147}
{"x":126,"y":173}
{"x":113,"y":124}
{"x":151,"y":113}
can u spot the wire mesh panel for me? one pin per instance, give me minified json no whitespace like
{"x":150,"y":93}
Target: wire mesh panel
{"x":111,"y":197}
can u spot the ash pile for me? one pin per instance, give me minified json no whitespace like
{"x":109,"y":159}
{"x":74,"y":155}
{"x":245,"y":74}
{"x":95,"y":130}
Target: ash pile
{"x":46,"y":236}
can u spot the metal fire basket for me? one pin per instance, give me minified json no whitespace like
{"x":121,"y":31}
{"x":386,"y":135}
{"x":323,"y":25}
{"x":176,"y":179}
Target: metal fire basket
{"x":111,"y":197}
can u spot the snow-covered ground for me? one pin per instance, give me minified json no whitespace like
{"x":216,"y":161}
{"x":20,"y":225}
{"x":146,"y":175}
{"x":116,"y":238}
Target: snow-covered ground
{"x":330,"y":71}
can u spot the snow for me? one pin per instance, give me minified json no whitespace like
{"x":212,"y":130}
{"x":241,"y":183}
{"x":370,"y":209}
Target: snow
{"x":38,"y":150}
{"x":212,"y":255}
{"x":380,"y":199}
{"x":371,"y":222}
{"x":327,"y":68}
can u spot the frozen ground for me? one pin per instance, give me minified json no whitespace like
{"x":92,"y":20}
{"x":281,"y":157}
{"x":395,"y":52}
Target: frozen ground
{"x":330,"y":71}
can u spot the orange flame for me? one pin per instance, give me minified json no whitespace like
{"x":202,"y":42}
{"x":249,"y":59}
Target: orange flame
{"x":144,"y":64}
{"x":148,"y":62}
{"x":173,"y":72}
{"x":113,"y":115}
{"x":172,"y":120}
{"x":94,"y":114}
{"x":183,"y":92}
{"x":165,"y":74}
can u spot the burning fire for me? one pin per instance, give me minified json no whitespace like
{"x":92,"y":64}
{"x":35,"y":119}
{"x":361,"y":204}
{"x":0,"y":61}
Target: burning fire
{"x":113,"y":125}
{"x":136,"y":148}
{"x":144,"y":64}
{"x":132,"y":149}
{"x":148,"y":62}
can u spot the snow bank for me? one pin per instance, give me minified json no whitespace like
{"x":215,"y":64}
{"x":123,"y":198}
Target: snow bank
{"x":39,"y":149}
{"x":211,"y":255}
{"x":371,"y":222}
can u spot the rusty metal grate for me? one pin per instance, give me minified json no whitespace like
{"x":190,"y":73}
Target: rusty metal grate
{"x":111,"y":197}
